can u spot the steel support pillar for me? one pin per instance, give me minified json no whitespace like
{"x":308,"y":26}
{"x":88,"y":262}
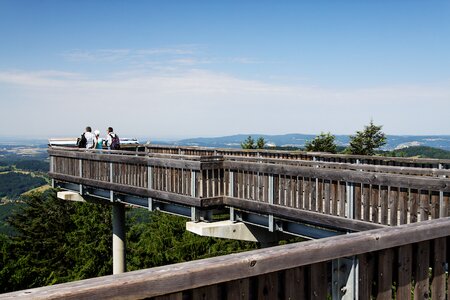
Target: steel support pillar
{"x":118,"y":220}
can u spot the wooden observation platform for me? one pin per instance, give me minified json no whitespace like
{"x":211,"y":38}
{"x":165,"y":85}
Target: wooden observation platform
{"x":378,"y":226}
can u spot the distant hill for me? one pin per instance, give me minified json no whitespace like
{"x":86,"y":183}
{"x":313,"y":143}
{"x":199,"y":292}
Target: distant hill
{"x":421,"y":151}
{"x":299,"y":140}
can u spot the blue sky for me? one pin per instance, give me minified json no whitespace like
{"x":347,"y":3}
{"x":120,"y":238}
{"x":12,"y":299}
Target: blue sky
{"x":170,"y":69}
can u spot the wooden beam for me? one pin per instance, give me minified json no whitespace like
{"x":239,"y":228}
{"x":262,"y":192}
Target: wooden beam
{"x":129,"y":159}
{"x":178,"y":277}
{"x":131,"y":190}
{"x":295,"y":214}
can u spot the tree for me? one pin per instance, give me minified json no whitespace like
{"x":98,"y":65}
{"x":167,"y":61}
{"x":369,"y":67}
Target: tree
{"x":325,"y":142}
{"x":56,"y":241}
{"x":249,"y":143}
{"x":260,"y":143}
{"x":367,"y":141}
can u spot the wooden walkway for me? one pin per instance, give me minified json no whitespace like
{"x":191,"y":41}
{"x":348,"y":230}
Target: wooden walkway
{"x":288,"y":188}
{"x":395,"y":211}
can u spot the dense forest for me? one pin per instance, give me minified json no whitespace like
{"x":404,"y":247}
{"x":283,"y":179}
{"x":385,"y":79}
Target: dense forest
{"x":421,"y":151}
{"x":58,"y":241}
{"x":13,"y":184}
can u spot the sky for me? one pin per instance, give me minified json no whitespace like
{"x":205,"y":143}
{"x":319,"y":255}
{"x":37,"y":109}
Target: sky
{"x":179,"y":69}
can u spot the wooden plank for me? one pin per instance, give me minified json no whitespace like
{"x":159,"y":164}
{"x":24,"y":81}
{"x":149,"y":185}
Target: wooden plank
{"x":366,"y":264}
{"x":421,"y":288}
{"x":393,"y":206}
{"x":211,"y":292}
{"x":326,"y":197}
{"x":357,"y":200}
{"x":268,"y":286}
{"x":276,"y":188}
{"x":170,"y":279}
{"x":295,"y":284}
{"x":424,"y":205}
{"x":334,"y":197}
{"x":238,"y":289}
{"x":434,"y":209}
{"x":404,"y":272}
{"x":174,"y":296}
{"x":403,"y":206}
{"x":366,"y":202}
{"x":385,"y":265}
{"x":319,"y":197}
{"x":342,"y":198}
{"x":413,"y":205}
{"x":307,"y":193}
{"x":384,"y":205}
{"x":438,"y":285}
{"x":445,"y":208}
{"x":319,"y":284}
{"x":313,"y":193}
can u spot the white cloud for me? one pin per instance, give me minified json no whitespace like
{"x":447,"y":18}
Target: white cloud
{"x":198,"y":102}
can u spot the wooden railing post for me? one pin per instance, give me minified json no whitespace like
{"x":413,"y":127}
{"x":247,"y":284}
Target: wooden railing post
{"x":195,"y":214}
{"x":271,"y":191}
{"x":150,"y":186}
{"x":231,"y":192}
{"x":81,"y":174}
{"x":111,"y":174}
{"x":52,"y":169}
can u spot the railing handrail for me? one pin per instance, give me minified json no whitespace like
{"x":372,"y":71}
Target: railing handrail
{"x":178,"y":277}
{"x":358,"y":175}
{"x":312,"y":154}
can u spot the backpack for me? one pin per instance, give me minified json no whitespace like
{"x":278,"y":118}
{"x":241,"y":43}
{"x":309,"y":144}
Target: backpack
{"x":115,"y":142}
{"x":81,"y":142}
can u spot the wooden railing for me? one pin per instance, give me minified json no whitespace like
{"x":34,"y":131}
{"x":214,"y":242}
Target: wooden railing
{"x":386,"y":195}
{"x":404,"y":262}
{"x":303,"y":155}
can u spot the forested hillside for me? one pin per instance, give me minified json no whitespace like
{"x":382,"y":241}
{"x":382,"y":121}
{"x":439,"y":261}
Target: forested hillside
{"x":58,"y":241}
{"x":421,"y":151}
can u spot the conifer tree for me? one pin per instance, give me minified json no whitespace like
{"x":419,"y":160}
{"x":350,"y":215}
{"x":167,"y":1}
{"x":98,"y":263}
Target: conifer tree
{"x":325,"y":142}
{"x":365,"y":142}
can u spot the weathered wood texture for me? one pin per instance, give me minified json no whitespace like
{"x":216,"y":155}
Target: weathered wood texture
{"x":399,"y":261}
{"x":302,"y":155}
{"x":386,"y":196}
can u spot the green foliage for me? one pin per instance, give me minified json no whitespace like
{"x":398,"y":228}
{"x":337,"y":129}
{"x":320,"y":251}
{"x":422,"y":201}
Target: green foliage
{"x":260,"y":143}
{"x":56,"y":241}
{"x":420,"y":151}
{"x":249,"y":143}
{"x":325,"y":142}
{"x":33,"y":165}
{"x":13,"y":184}
{"x":6,"y":210}
{"x":161,"y":239}
{"x":367,"y":141}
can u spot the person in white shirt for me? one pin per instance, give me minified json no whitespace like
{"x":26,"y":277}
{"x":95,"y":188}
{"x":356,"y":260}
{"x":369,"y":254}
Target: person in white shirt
{"x":110,"y":136}
{"x":90,"y":138}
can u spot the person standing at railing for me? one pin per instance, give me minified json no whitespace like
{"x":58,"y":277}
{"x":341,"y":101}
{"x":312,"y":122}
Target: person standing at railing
{"x":98,"y":140}
{"x":112,"y":139}
{"x":87,"y":139}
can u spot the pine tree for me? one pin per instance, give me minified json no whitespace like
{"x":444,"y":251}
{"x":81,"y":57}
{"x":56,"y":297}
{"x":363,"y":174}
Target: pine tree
{"x":325,"y":142}
{"x":367,"y":141}
{"x":260,"y":143}
{"x":249,"y":143}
